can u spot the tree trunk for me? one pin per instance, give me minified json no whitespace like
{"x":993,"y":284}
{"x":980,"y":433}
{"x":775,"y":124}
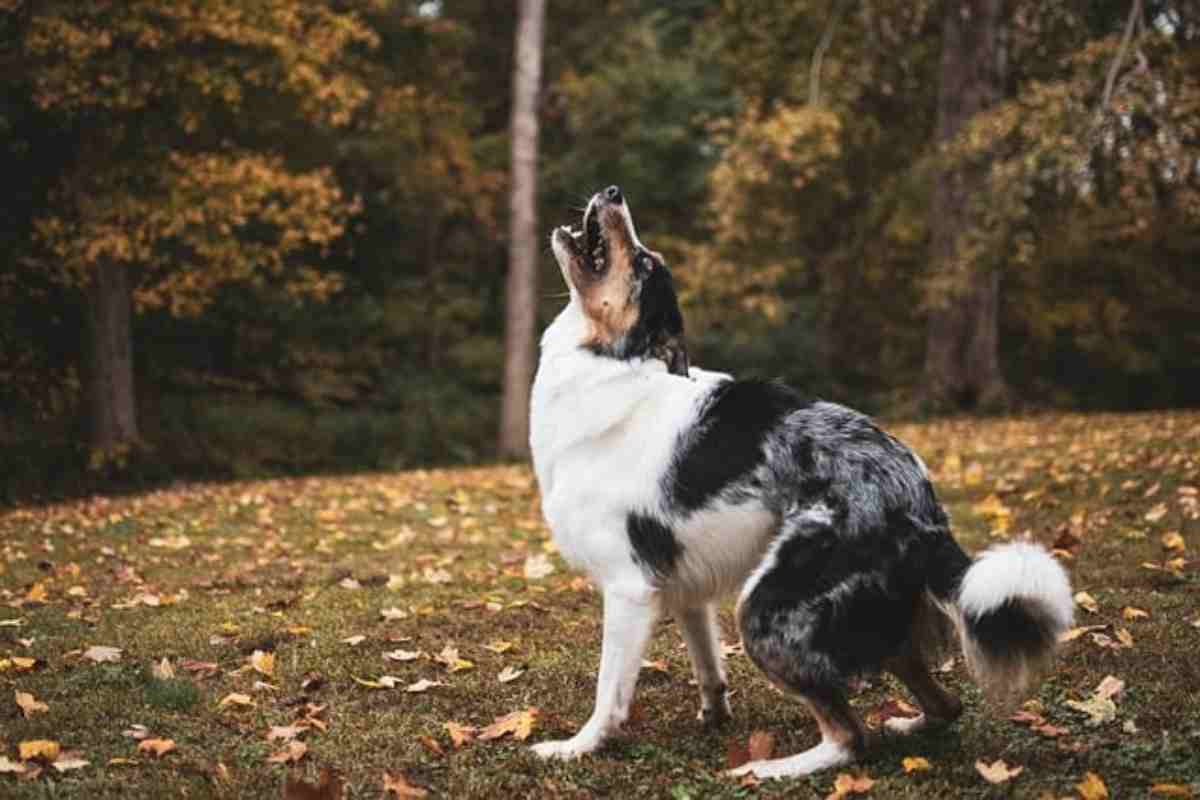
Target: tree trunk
{"x":111,"y":406}
{"x":523,"y":250}
{"x":962,"y":367}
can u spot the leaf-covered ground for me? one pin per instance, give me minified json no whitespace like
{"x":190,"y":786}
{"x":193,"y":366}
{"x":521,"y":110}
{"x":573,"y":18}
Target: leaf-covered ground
{"x":407,"y":631}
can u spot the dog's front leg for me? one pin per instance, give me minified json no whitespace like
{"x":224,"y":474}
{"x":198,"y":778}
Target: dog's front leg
{"x":628,"y":622}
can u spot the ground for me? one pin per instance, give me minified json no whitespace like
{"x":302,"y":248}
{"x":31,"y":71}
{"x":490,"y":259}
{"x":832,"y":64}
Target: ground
{"x":219,"y":624}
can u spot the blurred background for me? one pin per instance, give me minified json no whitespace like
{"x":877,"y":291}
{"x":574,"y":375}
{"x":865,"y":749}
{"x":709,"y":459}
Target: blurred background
{"x":254,"y":237}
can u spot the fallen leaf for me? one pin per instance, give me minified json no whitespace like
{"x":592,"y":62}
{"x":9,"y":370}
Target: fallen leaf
{"x":36,"y":593}
{"x":1111,"y":686}
{"x":1130,"y":613}
{"x":845,"y":785}
{"x":423,"y":685}
{"x":499,"y":647}
{"x":330,"y":787}
{"x":355,"y":640}
{"x":509,"y":674}
{"x":1171,"y":790}
{"x":393,"y":613}
{"x":285,"y":732}
{"x":538,"y":565}
{"x":1099,"y":710}
{"x":101,"y":653}
{"x":30,"y":705}
{"x":136,"y":732}
{"x":263,"y":662}
{"x":432,"y":745}
{"x":518,"y":723}
{"x":461,"y":734}
{"x":762,"y":744}
{"x":236,"y":699}
{"x":69,"y":761}
{"x":290,"y":754}
{"x":915,"y":764}
{"x":1173,"y":542}
{"x":202,"y":669}
{"x":157,"y":747}
{"x":1087,"y":602}
{"x":449,"y":657}
{"x":403,"y":655}
{"x":43,"y":749}
{"x":163,"y":670}
{"x":9,"y":766}
{"x":399,"y":786}
{"x":1092,"y":787}
{"x":1156,"y":513}
{"x":997,"y":771}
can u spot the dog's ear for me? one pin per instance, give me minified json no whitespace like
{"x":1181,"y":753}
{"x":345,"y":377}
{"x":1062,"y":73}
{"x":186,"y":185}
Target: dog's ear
{"x":674,"y":352}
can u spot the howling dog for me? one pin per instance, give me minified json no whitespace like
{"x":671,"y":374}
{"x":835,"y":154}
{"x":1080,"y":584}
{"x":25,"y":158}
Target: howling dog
{"x":671,"y":486}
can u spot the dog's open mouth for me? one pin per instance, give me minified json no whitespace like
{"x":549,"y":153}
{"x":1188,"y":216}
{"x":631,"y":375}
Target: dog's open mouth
{"x":595,"y":246}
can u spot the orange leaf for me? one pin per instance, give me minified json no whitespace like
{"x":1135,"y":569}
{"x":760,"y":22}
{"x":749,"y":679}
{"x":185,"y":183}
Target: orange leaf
{"x":1171,"y":790}
{"x":290,"y":754}
{"x":158,"y":747}
{"x":460,"y":734}
{"x":846,"y":785}
{"x":915,"y":764}
{"x":399,"y":786}
{"x":29,"y":704}
{"x":45,"y":749}
{"x":761,"y":745}
{"x":1092,"y":787}
{"x":518,"y":723}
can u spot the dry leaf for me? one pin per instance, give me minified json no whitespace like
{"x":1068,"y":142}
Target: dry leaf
{"x":461,"y":734}
{"x":9,"y":766}
{"x":538,"y":565}
{"x":510,"y":674}
{"x":449,"y":657}
{"x":845,"y":785}
{"x":1171,"y":790}
{"x":263,"y":662}
{"x":1099,"y":710}
{"x":330,"y":787}
{"x":499,"y":647}
{"x":43,"y":749}
{"x":101,"y":653}
{"x":762,"y":744}
{"x":403,"y":655}
{"x":915,"y":764}
{"x":29,"y":704}
{"x":1155,"y":514}
{"x":393,"y":613}
{"x":1087,"y":602}
{"x":158,"y":747}
{"x":1111,"y":686}
{"x":236,"y":699}
{"x":423,"y":685}
{"x":69,"y":761}
{"x":285,"y":732}
{"x":1173,"y":542}
{"x":399,"y":786}
{"x":1092,"y":787}
{"x":1130,"y":613}
{"x":288,"y":755}
{"x":997,"y":771}
{"x":163,"y":670}
{"x":518,"y":723}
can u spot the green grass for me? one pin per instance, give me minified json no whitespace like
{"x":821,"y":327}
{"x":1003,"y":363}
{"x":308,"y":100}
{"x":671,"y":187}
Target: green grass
{"x":212,"y":573}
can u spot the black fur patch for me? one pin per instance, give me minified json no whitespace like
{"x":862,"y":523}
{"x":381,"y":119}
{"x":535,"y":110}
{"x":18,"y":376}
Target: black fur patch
{"x":654,"y":544}
{"x":659,"y":326}
{"x":727,"y":440}
{"x":1009,"y":631}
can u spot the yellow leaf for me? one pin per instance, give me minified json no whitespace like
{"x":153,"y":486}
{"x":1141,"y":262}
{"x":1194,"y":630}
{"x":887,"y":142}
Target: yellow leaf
{"x":518,"y":723}
{"x":1174,"y":542}
{"x":1087,"y":602}
{"x":461,"y":734}
{"x":36,"y":593}
{"x":845,"y":785}
{"x":1171,"y":790}
{"x":499,"y":647}
{"x":289,"y":755}
{"x":44,"y":749}
{"x":997,"y":771}
{"x":263,"y":662}
{"x":915,"y":764}
{"x":236,"y":699}
{"x":1092,"y":787}
{"x":30,"y":705}
{"x":1130,"y":613}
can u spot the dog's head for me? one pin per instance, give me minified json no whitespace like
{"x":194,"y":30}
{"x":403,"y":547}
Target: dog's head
{"x":624,"y":289}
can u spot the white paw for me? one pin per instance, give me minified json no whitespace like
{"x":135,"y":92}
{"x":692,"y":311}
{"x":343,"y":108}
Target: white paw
{"x":564,"y":749}
{"x":903,"y":726}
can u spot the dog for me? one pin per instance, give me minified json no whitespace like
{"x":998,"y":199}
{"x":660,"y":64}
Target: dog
{"x":672,"y":486}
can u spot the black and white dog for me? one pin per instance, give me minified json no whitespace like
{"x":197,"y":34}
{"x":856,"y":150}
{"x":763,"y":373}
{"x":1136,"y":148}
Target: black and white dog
{"x":672,"y":486}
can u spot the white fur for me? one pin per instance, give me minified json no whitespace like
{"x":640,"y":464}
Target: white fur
{"x":825,"y":755}
{"x":1017,"y":571}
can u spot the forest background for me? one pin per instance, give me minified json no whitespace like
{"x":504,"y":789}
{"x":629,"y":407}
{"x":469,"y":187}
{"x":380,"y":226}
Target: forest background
{"x":302,"y":209}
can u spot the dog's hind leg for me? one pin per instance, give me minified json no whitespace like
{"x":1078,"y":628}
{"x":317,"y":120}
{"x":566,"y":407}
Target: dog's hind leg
{"x":938,"y":706}
{"x":628,"y":622}
{"x":842,"y":739}
{"x":699,"y":628}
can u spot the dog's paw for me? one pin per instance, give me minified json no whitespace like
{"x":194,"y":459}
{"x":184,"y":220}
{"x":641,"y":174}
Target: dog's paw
{"x":715,"y":716}
{"x":565,"y":749}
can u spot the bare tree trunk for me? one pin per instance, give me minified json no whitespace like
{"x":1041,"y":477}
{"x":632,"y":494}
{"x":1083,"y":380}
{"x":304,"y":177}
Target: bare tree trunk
{"x":111,"y":405}
{"x":521,"y":289}
{"x":962,"y":366}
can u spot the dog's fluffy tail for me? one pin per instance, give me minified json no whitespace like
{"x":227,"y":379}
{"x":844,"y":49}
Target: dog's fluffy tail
{"x":1010,"y":606}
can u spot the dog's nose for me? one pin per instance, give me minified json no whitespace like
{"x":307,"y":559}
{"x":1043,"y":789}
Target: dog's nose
{"x":613,"y":194}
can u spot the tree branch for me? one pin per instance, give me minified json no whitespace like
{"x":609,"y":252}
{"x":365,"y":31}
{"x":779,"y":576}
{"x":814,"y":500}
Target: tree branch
{"x":1135,"y":12}
{"x":814,"y":71}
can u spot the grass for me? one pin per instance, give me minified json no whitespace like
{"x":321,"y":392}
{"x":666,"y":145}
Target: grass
{"x":209,"y":574}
